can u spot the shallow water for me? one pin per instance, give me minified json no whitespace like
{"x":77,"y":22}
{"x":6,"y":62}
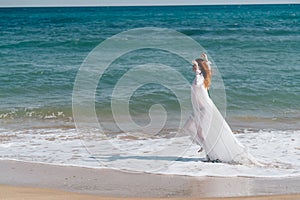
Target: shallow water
{"x":167,"y":154}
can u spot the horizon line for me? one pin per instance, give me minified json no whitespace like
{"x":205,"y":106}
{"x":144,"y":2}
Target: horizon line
{"x":143,"y":5}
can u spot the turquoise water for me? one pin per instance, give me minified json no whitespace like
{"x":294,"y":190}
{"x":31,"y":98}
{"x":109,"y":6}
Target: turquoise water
{"x":256,"y":49}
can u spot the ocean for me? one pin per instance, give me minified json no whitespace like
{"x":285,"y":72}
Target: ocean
{"x":255,"y":52}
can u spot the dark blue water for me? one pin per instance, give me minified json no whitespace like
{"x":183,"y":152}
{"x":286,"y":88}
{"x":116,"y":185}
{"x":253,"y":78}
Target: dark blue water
{"x":256,"y":49}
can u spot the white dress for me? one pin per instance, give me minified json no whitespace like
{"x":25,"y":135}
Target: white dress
{"x":210,"y":130}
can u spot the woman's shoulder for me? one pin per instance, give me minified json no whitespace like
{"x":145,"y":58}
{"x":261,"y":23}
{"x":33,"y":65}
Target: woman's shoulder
{"x":199,"y":78}
{"x":198,"y":72}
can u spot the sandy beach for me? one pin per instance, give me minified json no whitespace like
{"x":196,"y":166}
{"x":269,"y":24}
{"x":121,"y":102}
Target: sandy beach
{"x":21,"y":180}
{"x":16,"y":193}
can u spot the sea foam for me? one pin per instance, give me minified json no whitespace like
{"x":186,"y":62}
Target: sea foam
{"x":278,"y":150}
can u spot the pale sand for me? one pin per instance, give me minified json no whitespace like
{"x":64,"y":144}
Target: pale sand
{"x":26,"y":193}
{"x":111,"y":183}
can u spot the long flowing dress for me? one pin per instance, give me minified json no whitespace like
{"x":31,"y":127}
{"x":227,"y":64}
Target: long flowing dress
{"x":210,"y":130}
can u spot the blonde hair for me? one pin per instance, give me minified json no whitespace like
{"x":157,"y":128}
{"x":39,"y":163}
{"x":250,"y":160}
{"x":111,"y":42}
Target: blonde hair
{"x":204,"y":68}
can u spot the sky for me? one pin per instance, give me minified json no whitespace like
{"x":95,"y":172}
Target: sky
{"x":33,"y":3}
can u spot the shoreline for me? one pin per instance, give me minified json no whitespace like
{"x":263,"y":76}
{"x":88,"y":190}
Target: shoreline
{"x":113,"y":183}
{"x":237,"y":123}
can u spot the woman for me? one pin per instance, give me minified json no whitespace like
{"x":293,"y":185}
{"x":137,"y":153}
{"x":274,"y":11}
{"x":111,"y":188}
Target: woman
{"x":207,"y":125}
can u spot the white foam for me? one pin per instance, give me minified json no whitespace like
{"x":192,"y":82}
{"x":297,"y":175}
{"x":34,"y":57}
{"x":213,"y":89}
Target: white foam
{"x":175,"y":155}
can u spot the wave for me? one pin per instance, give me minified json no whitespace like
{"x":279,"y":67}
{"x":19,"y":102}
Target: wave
{"x":174,"y":154}
{"x":37,"y":113}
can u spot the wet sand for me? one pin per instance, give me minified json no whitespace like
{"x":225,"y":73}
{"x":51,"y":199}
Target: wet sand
{"x":41,"y":181}
{"x":27,"y":193}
